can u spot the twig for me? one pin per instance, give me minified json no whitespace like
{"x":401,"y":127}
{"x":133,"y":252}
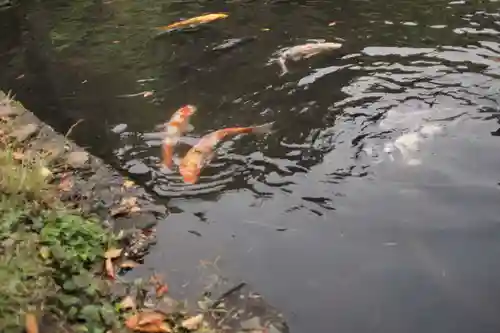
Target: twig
{"x":71,"y":128}
{"x":226,"y":294}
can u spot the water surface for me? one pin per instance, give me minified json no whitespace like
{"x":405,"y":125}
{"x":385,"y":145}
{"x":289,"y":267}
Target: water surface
{"x":372,"y":207}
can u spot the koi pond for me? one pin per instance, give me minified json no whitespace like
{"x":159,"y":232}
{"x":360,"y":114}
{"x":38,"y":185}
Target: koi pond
{"x":373,"y":206}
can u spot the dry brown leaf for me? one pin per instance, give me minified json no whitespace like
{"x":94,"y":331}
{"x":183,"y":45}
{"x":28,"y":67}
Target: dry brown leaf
{"x":128,"y":184}
{"x":193,"y":323}
{"x":17,"y":155}
{"x":128,"y":303}
{"x":110,"y":270}
{"x":154,"y":328}
{"x":31,"y":323}
{"x":161,"y":289}
{"x":66,"y":184}
{"x":127,"y":205}
{"x":44,"y":252}
{"x":129,"y":264}
{"x":144,"y":318}
{"x":113,"y":253}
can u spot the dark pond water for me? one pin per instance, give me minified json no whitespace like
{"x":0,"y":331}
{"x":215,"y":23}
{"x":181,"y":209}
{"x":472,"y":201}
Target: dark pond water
{"x":373,"y":207}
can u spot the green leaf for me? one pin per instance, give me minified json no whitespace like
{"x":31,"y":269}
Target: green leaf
{"x":109,"y":314}
{"x":90,"y":313}
{"x":69,"y":285}
{"x":82,"y":280}
{"x":68,"y":300}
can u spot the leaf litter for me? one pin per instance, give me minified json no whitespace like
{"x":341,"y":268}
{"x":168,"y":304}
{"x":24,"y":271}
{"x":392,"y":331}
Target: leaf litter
{"x":127,"y":205}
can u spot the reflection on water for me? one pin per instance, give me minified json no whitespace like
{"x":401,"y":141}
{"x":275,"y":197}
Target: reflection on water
{"x":374,"y":204}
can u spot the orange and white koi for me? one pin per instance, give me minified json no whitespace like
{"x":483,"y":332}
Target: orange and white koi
{"x":174,"y":129}
{"x":203,"y":152}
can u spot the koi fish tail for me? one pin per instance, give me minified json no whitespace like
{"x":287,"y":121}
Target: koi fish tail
{"x":167,"y":154}
{"x":263,"y":129}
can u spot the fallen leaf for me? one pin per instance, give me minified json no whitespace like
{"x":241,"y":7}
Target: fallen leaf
{"x":66,"y":184}
{"x":44,"y":252}
{"x":31,"y":323}
{"x":129,"y":264}
{"x":195,"y":20}
{"x":161,"y":289}
{"x":128,"y":184}
{"x":144,"y":318}
{"x":331,"y":24}
{"x":147,"y":94}
{"x":156,"y":279}
{"x":17,"y":155}
{"x":154,"y":328}
{"x":44,"y":172}
{"x":127,"y":205}
{"x":192,"y":323}
{"x":113,"y":253}
{"x":110,"y":270}
{"x":128,"y":303}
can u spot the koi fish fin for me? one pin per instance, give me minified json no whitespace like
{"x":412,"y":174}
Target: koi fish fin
{"x":284,"y":69}
{"x":312,"y":54}
{"x":167,"y":154}
{"x":263,"y":129}
{"x":189,"y":128}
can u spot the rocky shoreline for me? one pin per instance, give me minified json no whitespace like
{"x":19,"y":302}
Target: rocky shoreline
{"x":88,"y":183}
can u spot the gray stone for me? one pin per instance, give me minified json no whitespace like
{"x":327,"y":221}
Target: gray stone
{"x":7,"y":111}
{"x":272,"y":329}
{"x":251,"y":324}
{"x":24,"y":132}
{"x":77,"y":159}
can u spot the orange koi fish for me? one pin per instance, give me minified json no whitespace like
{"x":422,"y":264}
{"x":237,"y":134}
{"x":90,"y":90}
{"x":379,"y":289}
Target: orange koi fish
{"x":202,"y":153}
{"x":195,"y":20}
{"x":174,"y":129}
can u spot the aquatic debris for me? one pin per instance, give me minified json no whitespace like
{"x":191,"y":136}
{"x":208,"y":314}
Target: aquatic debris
{"x":195,"y":21}
{"x":161,"y":287}
{"x":331,"y":24}
{"x":304,"y":51}
{"x":203,"y":152}
{"x":175,"y":128}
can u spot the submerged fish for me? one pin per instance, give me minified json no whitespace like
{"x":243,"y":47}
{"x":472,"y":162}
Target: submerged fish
{"x":202,"y":153}
{"x":174,"y":129}
{"x":195,"y":21}
{"x":304,"y":51}
{"x":233,"y":42}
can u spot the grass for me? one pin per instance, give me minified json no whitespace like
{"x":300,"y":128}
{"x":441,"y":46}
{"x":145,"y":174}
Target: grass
{"x":50,"y":256}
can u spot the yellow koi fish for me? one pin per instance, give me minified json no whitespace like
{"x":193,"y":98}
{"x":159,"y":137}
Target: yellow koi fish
{"x":195,"y":21}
